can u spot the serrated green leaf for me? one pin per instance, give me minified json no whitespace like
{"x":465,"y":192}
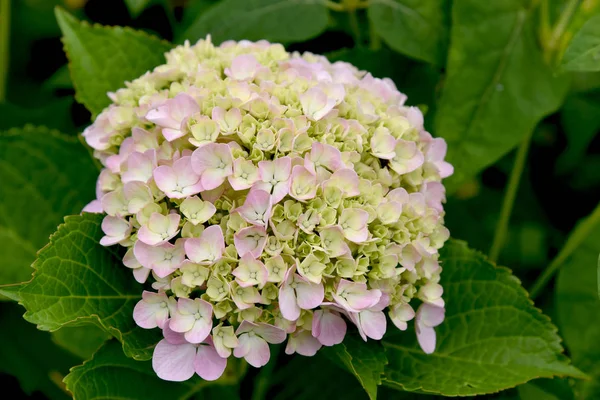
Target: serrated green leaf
{"x":44,"y":176}
{"x":498,"y":86}
{"x":111,"y":375}
{"x":577,"y":301}
{"x":583,"y":52}
{"x":79,"y":281}
{"x":82,"y":341}
{"x":493,"y":338}
{"x":416,"y":28}
{"x":30,"y":355}
{"x":365,"y":361}
{"x":102,"y":58}
{"x":274,"y":20}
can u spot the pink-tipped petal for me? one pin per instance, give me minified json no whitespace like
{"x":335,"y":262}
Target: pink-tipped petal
{"x":208,"y":364}
{"x":174,"y":362}
{"x":328,"y":327}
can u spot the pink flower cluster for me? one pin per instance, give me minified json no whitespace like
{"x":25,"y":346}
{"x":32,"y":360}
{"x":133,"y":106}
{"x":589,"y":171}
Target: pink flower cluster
{"x":269,"y":196}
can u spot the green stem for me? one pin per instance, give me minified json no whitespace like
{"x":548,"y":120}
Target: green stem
{"x":334,"y":6}
{"x":509,"y":199}
{"x":545,"y":30}
{"x":580,"y":233}
{"x":354,"y":26}
{"x":4,"y":45}
{"x":560,"y":27}
{"x":374,"y":39}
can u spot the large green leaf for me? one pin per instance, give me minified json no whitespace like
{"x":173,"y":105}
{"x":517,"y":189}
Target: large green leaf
{"x":56,"y":114}
{"x":102,"y":58}
{"x":365,"y":361}
{"x":44,"y":175}
{"x":498,"y":86}
{"x":416,"y":28}
{"x":583,"y":52}
{"x":273,"y":20}
{"x":82,"y":341}
{"x":30,"y":355}
{"x":578,"y":303}
{"x":493,"y":337}
{"x":79,"y":281}
{"x":111,"y":375}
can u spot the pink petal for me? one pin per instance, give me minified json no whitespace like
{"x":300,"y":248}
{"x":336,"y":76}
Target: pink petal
{"x":182,"y":323}
{"x":243,"y":67}
{"x":287,"y":303}
{"x":250,"y":240}
{"x":174,"y":362}
{"x":257,"y":208}
{"x":373,"y":323}
{"x":208,"y":364}
{"x":94,"y":206}
{"x":426,"y":338}
{"x":200,"y":330}
{"x":171,"y":336}
{"x":328,"y":327}
{"x":270,"y":333}
{"x":302,"y":343}
{"x":430,"y":315}
{"x":309,"y":295}
{"x":254,"y":349}
{"x":141,"y":274}
{"x":150,"y":315}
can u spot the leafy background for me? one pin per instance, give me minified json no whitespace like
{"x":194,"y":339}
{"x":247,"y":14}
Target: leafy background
{"x":512,"y":85}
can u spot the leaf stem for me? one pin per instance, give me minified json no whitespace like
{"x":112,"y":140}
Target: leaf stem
{"x":580,"y":233}
{"x":334,"y":6}
{"x":374,"y":39}
{"x":4,"y":45}
{"x":354,"y":26}
{"x":509,"y":199}
{"x":559,"y":28}
{"x":545,"y":29}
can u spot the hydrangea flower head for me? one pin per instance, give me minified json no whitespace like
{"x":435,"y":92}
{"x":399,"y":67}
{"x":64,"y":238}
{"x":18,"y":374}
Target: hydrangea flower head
{"x":270,"y":196}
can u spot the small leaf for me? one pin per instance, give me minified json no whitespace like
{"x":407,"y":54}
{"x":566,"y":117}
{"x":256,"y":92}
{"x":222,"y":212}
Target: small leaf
{"x":583,"y":52}
{"x":577,"y":301}
{"x":103,"y":58}
{"x":497,"y":88}
{"x":416,"y":28}
{"x":44,"y":175}
{"x":136,"y":7}
{"x":79,"y":281}
{"x":274,"y":20}
{"x":30,"y":355}
{"x":111,"y":375}
{"x":493,"y":338}
{"x":365,"y":361}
